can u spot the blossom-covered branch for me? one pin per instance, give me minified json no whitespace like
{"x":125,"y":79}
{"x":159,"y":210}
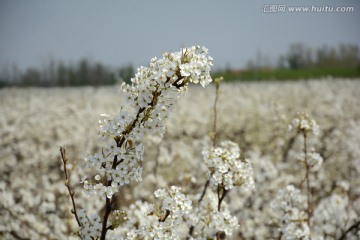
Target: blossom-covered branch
{"x":150,"y":97}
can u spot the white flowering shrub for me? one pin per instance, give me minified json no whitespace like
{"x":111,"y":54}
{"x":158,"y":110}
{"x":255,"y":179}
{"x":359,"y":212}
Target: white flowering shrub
{"x":253,"y":117}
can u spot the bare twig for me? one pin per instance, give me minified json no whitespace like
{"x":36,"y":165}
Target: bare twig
{"x":67,"y":184}
{"x":214,"y":132}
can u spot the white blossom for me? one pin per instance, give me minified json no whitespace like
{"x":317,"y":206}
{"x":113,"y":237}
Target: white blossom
{"x":303,"y":123}
{"x":226,"y":168}
{"x":91,"y":225}
{"x":288,"y":211}
{"x":152,"y":94}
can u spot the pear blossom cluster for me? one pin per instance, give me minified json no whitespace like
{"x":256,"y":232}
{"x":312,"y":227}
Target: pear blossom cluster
{"x":314,"y":160}
{"x":207,"y":220}
{"x":164,"y":218}
{"x":226,"y":169}
{"x":173,"y":201}
{"x":311,"y":158}
{"x":151,"y":95}
{"x":333,"y":214}
{"x":303,"y":123}
{"x":289,"y":214}
{"x":153,"y":92}
{"x":223,"y":221}
{"x":209,"y":224}
{"x":127,"y":169}
{"x":90,"y":226}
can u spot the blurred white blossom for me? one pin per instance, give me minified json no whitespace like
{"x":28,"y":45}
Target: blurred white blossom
{"x":303,"y":123}
{"x":226,"y":168}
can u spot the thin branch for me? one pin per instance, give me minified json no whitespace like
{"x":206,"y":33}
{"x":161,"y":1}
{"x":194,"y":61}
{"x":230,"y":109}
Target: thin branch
{"x":214,"y":132}
{"x":220,"y":235}
{"x":67,"y":184}
{"x":205,"y":188}
{"x":214,"y":139}
{"x":221,"y":198}
{"x":165,"y":217}
{"x":355,"y":226}
{"x":307,"y":177}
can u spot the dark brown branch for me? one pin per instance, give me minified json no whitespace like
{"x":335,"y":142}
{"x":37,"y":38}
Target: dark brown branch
{"x":105,"y":219}
{"x":221,"y":198}
{"x":205,"y":188}
{"x":67,"y":184}
{"x":121,"y":140}
{"x":165,"y":217}
{"x":355,"y":226}
{"x":220,"y":234}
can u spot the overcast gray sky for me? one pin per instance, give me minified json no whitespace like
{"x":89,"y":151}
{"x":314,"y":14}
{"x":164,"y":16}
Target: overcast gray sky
{"x":120,"y":32}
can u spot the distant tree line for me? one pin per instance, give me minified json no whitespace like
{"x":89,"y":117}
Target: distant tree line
{"x":300,"y":56}
{"x":86,"y":72}
{"x":83,"y":73}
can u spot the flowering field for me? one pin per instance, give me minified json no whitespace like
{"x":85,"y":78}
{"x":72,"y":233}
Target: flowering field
{"x":34,"y":123}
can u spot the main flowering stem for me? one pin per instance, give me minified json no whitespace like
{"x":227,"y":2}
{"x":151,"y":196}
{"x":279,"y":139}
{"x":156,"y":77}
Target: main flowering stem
{"x":120,"y":141}
{"x":150,"y":98}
